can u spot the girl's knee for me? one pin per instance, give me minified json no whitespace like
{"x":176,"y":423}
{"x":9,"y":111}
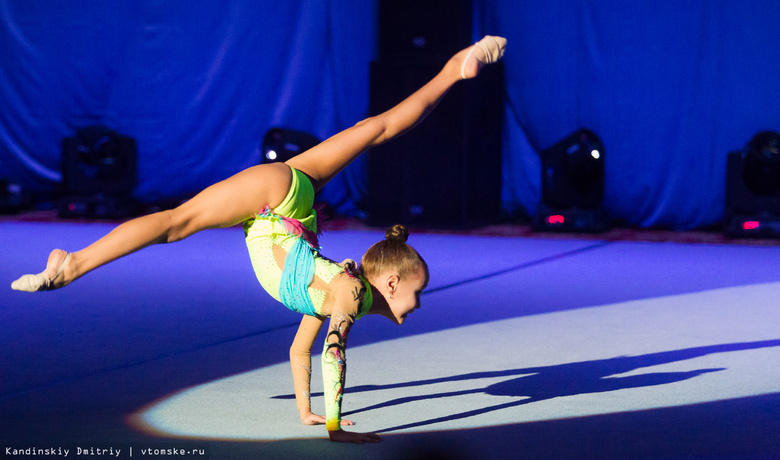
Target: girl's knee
{"x":179,"y":224}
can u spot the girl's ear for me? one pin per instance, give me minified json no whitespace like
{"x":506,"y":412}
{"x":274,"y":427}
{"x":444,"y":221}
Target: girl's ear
{"x":392,"y":282}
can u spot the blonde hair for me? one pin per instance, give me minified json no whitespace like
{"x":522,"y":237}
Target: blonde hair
{"x":392,"y":254}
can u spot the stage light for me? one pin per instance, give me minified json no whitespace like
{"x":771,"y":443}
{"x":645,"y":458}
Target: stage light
{"x":573,"y":185}
{"x":761,"y":164}
{"x":281,"y":144}
{"x":99,"y":172}
{"x":13,"y":197}
{"x":753,"y":188}
{"x":556,"y":219}
{"x":751,"y":225}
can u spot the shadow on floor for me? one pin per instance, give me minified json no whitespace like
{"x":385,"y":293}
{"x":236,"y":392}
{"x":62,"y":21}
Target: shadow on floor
{"x":548,"y":382}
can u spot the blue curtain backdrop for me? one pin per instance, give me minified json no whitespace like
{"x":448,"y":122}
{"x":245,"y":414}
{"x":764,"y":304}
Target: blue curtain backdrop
{"x":196,"y":83}
{"x":670,"y":87}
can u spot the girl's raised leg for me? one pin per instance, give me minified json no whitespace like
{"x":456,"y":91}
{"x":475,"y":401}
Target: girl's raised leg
{"x":327,"y":159}
{"x":223,"y":204}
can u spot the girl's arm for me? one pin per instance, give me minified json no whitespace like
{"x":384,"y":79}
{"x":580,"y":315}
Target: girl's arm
{"x":300,"y":361}
{"x":334,"y":363}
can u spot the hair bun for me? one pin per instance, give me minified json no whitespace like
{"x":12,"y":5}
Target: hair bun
{"x":397,"y":234}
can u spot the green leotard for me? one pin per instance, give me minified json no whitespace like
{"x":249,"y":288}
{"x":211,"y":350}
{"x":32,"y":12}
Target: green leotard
{"x":284,"y":226}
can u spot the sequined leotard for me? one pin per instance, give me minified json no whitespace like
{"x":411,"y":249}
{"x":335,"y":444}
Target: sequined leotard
{"x":292,"y":226}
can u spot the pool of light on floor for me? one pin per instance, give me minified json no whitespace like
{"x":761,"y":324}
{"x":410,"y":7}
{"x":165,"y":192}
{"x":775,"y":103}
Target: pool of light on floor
{"x":632,"y":356}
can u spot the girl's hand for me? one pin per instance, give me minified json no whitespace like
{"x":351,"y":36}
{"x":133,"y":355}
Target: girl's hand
{"x":357,"y":438}
{"x":314,"y":419}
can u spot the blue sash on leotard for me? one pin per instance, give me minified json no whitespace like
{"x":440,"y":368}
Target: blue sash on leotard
{"x":297,"y":275}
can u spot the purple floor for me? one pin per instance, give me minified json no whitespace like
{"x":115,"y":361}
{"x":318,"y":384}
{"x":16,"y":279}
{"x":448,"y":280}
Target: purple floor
{"x":524,"y":348}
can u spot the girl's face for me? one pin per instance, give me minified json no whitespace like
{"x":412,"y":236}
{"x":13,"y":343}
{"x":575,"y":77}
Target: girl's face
{"x":403,"y":295}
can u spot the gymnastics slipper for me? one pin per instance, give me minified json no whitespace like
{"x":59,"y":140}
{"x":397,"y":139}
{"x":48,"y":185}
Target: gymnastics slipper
{"x":493,"y":48}
{"x":39,"y":282}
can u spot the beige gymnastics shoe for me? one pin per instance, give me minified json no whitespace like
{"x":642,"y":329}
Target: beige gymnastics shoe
{"x":492,"y":49}
{"x":40,"y":282}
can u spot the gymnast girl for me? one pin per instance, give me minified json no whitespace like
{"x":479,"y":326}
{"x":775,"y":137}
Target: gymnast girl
{"x":274,"y":203}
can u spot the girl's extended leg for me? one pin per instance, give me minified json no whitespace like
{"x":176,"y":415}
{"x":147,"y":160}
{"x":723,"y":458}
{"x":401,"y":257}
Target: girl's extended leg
{"x":221,"y":205}
{"x":327,"y":159}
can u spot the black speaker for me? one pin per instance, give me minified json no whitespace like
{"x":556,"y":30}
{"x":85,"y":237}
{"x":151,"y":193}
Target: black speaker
{"x":446,"y":172}
{"x":753,"y":188}
{"x":423,"y":30}
{"x":99,"y":174}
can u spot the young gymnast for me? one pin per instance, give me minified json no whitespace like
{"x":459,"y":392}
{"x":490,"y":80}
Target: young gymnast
{"x":274,"y":203}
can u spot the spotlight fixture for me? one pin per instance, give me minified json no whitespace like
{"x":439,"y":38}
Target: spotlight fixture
{"x":281,"y":144}
{"x":753,"y":188}
{"x":13,"y":197}
{"x":99,"y":172}
{"x":573,"y":185}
